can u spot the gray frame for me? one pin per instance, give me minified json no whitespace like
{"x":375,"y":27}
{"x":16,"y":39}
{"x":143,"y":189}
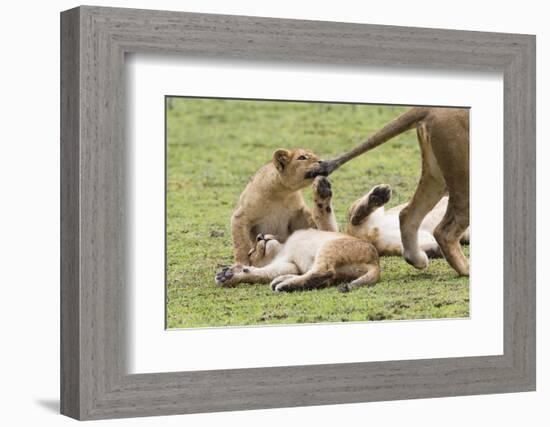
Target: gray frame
{"x":94,"y":383}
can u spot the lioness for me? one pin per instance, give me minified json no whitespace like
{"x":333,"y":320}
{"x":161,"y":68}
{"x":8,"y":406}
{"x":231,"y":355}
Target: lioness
{"x":443,"y":136}
{"x":309,"y":259}
{"x":272,"y":202}
{"x":367,"y":219}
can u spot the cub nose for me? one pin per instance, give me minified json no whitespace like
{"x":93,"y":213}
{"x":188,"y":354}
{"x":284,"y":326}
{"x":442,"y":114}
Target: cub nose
{"x":259,"y":237}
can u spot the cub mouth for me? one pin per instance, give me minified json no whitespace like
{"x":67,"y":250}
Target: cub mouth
{"x":325,"y":168}
{"x":314,"y":174}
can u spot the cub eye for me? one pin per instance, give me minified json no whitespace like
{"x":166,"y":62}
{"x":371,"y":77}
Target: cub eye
{"x":302,"y":158}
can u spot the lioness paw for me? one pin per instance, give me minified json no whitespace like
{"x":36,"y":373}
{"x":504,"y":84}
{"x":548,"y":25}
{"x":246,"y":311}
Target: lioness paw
{"x":417,"y":260}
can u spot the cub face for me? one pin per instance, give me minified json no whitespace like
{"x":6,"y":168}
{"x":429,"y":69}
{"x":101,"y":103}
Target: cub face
{"x":297,"y":168}
{"x":265,"y":249}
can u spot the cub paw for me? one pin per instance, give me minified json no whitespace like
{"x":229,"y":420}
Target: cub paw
{"x":278,"y":280}
{"x":433,"y":252}
{"x":380,"y":195}
{"x":322,"y":188}
{"x":230,"y":276}
{"x":344,"y":288}
{"x":286,"y":286}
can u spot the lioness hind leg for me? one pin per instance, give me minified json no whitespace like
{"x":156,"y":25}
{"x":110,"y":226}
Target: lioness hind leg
{"x":323,"y":213}
{"x":429,"y":191}
{"x":451,"y":147}
{"x":448,"y":234}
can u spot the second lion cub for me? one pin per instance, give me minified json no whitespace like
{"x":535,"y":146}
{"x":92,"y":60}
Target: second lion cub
{"x":272,"y":201}
{"x":309,"y":259}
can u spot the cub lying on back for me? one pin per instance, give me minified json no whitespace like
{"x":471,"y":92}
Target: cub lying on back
{"x":367,"y":219}
{"x":309,"y":259}
{"x":272,"y":202}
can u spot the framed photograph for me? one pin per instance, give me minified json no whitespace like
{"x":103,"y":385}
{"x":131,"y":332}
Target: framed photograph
{"x":261,"y":213}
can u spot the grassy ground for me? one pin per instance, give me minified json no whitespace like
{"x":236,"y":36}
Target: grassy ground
{"x":214,"y":146}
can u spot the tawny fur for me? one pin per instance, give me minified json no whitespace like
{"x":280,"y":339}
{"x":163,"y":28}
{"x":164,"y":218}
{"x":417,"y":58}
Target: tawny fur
{"x":443,"y":136}
{"x":272,"y":202}
{"x":309,"y":259}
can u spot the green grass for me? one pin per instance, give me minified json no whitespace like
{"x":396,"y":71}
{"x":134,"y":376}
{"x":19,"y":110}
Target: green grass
{"x":214,"y":146}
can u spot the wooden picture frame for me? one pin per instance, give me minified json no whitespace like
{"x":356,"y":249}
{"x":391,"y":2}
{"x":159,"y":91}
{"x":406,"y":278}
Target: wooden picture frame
{"x":94,"y":382}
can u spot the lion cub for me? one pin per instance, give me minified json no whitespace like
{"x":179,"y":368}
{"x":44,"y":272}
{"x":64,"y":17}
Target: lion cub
{"x":272,"y":202}
{"x":367,"y":219}
{"x":309,"y":259}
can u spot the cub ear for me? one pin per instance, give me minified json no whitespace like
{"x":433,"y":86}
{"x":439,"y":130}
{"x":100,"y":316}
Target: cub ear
{"x":281,"y":158}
